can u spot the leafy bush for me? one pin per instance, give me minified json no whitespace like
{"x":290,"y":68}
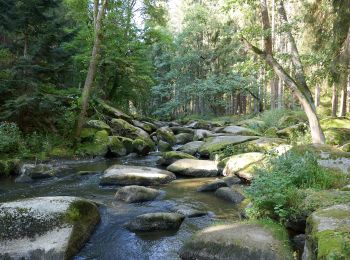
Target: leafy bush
{"x":276,"y":192}
{"x":10,"y":138}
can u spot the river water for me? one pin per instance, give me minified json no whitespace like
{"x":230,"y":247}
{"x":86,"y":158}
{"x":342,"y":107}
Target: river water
{"x":111,"y":240}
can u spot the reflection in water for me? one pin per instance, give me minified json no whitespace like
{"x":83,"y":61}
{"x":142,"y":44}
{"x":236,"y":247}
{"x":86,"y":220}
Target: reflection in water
{"x":111,"y":240}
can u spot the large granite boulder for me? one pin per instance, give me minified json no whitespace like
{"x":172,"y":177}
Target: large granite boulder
{"x":238,"y":130}
{"x":201,"y":134}
{"x":213,"y":185}
{"x":238,"y":162}
{"x":230,"y":194}
{"x":135,"y":175}
{"x":328,"y":233}
{"x":166,"y":134}
{"x":216,"y":144}
{"x":239,"y":241}
{"x":134,"y":193}
{"x":173,"y":156}
{"x":194,"y":168}
{"x":191,"y":147}
{"x":46,"y":227}
{"x":183,"y":138}
{"x":155,"y":221}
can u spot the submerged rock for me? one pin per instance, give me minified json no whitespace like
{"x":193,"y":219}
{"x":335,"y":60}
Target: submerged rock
{"x":135,"y":175}
{"x":194,"y":168}
{"x":239,"y":241}
{"x":136,"y":193}
{"x":230,"y":194}
{"x":173,"y":156}
{"x":45,"y":227}
{"x":191,"y":148}
{"x":328,"y":233}
{"x":155,"y":221}
{"x":213,"y":185}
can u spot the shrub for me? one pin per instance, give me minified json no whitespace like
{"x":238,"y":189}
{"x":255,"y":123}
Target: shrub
{"x":276,"y":192}
{"x":10,"y":138}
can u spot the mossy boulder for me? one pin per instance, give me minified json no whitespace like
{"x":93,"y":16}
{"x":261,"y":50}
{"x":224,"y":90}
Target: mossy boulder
{"x":200,"y":125}
{"x":164,"y":146}
{"x":166,"y":134}
{"x":346,"y":147}
{"x":171,"y":157}
{"x":141,"y":147}
{"x":271,"y":131}
{"x":191,"y":147}
{"x":61,"y":152}
{"x":98,"y":124}
{"x":156,"y":221}
{"x":98,"y":147}
{"x":337,"y":136}
{"x":9,"y":167}
{"x":252,"y":123}
{"x":201,"y":134}
{"x":183,"y":138}
{"x":116,"y":146}
{"x":194,"y":168}
{"x":180,"y":129}
{"x":112,"y":111}
{"x":212,"y":186}
{"x":239,"y":162}
{"x":46,"y":227}
{"x":215,"y":144}
{"x":88,"y":134}
{"x":290,"y":120}
{"x":135,"y":175}
{"x":328,"y":233}
{"x":332,"y":122}
{"x":241,"y":241}
{"x":292,"y":131}
{"x":134,"y":193}
{"x":148,"y":127}
{"x":238,"y":130}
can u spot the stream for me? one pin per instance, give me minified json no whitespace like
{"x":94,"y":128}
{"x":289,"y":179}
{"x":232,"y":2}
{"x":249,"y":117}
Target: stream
{"x":111,"y":240}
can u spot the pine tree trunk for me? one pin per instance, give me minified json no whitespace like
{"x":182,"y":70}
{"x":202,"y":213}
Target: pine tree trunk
{"x":343,"y":98}
{"x":90,"y":77}
{"x":334,"y":101}
{"x":317,"y":95}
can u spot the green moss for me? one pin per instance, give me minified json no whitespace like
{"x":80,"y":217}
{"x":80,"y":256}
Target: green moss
{"x":319,"y":149}
{"x":337,"y":136}
{"x":177,"y":155}
{"x":9,"y":167}
{"x":116,"y":146}
{"x":84,"y":216}
{"x":98,"y":124}
{"x":61,"y":152}
{"x":165,"y":134}
{"x":141,"y":147}
{"x":98,"y":147}
{"x":335,"y":123}
{"x":333,"y":245}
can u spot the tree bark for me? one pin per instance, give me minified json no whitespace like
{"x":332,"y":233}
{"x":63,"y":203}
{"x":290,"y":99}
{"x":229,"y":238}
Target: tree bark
{"x":90,"y":77}
{"x":343,"y":98}
{"x":334,"y":100}
{"x":317,"y":95}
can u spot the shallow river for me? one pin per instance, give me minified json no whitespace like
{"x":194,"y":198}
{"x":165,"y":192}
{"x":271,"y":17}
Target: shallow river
{"x":110,"y":239}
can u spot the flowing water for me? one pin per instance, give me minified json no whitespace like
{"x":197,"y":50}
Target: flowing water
{"x":110,"y":239}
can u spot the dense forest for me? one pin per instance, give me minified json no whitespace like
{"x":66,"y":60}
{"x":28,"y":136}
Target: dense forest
{"x":240,"y":106}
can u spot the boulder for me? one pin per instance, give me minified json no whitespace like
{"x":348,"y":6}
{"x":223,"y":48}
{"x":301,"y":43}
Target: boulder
{"x":188,"y":212}
{"x":98,"y":124}
{"x":194,"y":168}
{"x":171,"y":157}
{"x":238,"y":130}
{"x":238,"y":162}
{"x":200,"y":125}
{"x":213,"y":185}
{"x":252,"y":123}
{"x":30,"y":172}
{"x":231,"y":180}
{"x":112,"y":111}
{"x":216,"y":144}
{"x":156,"y":221}
{"x":116,"y":146}
{"x":140,"y":146}
{"x":289,"y":120}
{"x":46,"y":227}
{"x":346,"y":147}
{"x":179,"y":130}
{"x":230,"y":194}
{"x":135,"y":175}
{"x":191,"y":148}
{"x":97,"y":146}
{"x":134,"y":193}
{"x":148,"y":127}
{"x":239,"y":241}
{"x":183,"y":138}
{"x":164,"y":146}
{"x":328,"y":233}
{"x":201,"y":134}
{"x":165,"y":134}
{"x":291,"y":131}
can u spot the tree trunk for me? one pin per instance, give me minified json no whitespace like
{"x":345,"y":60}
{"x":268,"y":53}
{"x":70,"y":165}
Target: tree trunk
{"x":90,"y":77}
{"x":25,"y":47}
{"x":280,"y":94}
{"x":343,"y":98}
{"x":334,"y":101}
{"x":317,"y":95}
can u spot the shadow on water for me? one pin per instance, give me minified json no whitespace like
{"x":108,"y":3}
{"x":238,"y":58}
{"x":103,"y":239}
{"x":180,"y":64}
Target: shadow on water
{"x":110,"y":239}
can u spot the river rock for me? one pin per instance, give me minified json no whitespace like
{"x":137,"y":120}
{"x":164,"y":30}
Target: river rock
{"x":165,"y":134}
{"x":191,"y":148}
{"x":231,"y":180}
{"x":164,"y":146}
{"x":189,"y":212}
{"x":134,"y":193}
{"x":98,"y":124}
{"x":45,"y":227}
{"x":173,"y":156}
{"x":213,"y":185}
{"x":230,"y":194}
{"x":238,"y":162}
{"x":238,"y":130}
{"x":142,"y":147}
{"x":97,"y":145}
{"x":147,"y":126}
{"x":215,"y":144}
{"x":135,"y":175}
{"x":239,"y":241}
{"x":201,"y":134}
{"x":328,"y":233}
{"x":39,"y":171}
{"x":116,"y":146}
{"x":200,"y":125}
{"x":194,"y":168}
{"x":183,"y":138}
{"x":180,"y":129}
{"x":156,"y":221}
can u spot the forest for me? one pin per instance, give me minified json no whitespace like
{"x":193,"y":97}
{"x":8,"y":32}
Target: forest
{"x":175,"y":129}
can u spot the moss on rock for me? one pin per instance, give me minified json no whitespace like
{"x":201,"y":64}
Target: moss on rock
{"x":172,"y":156}
{"x":337,"y":136}
{"x":9,"y":167}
